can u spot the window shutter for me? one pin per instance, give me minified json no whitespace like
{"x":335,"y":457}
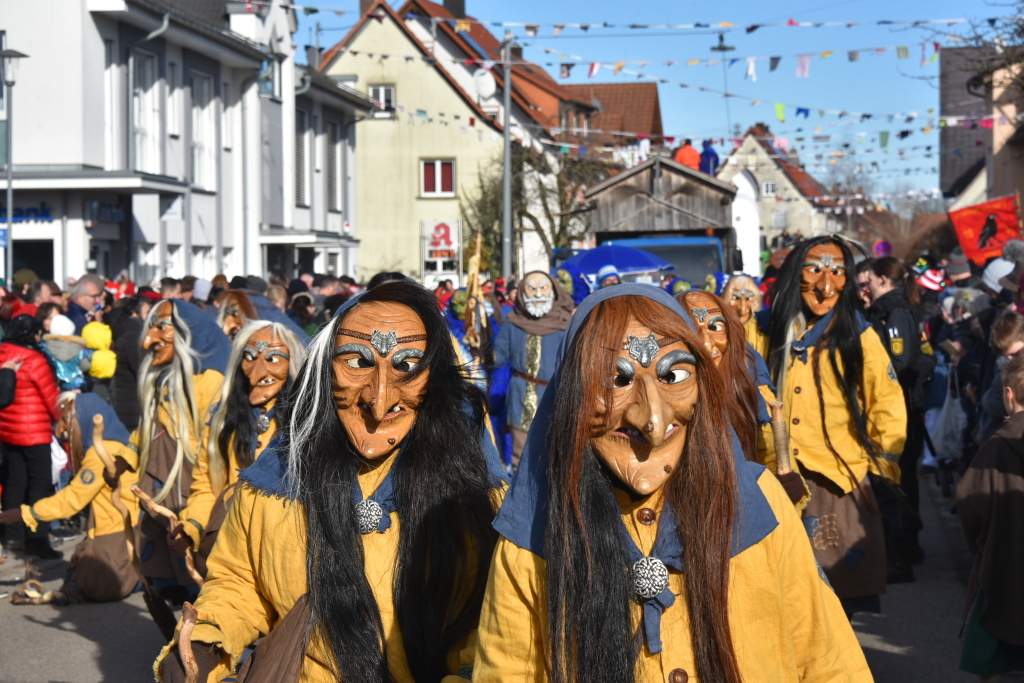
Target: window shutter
{"x":429,"y":184}
{"x":447,"y":179}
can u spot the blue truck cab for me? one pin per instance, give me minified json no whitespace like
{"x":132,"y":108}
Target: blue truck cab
{"x":694,"y":257}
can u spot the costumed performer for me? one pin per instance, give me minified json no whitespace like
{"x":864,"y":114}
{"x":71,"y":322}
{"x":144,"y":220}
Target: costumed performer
{"x":631,"y":460}
{"x":265,"y":360}
{"x":529,"y":340}
{"x":742,"y":294}
{"x":475,"y":359}
{"x":103,"y":569}
{"x":236,"y":307}
{"x":359,"y":543}
{"x":846,"y":415}
{"x":184,"y":357}
{"x":574,"y":282}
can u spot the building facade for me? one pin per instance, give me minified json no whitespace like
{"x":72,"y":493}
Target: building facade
{"x":147,"y":152}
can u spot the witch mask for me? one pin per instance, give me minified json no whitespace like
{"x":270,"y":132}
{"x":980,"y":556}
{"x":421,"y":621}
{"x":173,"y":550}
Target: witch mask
{"x":159,"y":339}
{"x":538,"y":294}
{"x":822,"y":279}
{"x":376,"y":393}
{"x":709,"y":319}
{"x":265,"y":362}
{"x":742,"y":294}
{"x":640,"y":434}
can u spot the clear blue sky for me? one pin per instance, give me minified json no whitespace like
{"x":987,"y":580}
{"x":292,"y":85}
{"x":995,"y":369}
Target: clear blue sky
{"x":875,"y":84}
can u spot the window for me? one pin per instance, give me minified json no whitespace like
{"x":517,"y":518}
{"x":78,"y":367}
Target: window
{"x":332,"y":263}
{"x":300,"y":158}
{"x":768,"y":188}
{"x":146,"y":263}
{"x":110,"y":78}
{"x":146,"y":114}
{"x":227,"y":260}
{"x":203,"y":264}
{"x":173,"y":101}
{"x":174,"y":267}
{"x":383,"y":97}
{"x":437,"y":178}
{"x":226,"y":129}
{"x":333,"y":178}
{"x":778,"y":220}
{"x":204,"y":133}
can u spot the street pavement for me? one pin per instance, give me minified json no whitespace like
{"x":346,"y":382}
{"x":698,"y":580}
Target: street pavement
{"x":915,"y":639}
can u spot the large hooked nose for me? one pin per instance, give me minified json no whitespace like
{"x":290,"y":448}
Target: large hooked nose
{"x":705,"y":335}
{"x":150,"y":339}
{"x":647,"y":414}
{"x":381,"y":393}
{"x":827,"y":286}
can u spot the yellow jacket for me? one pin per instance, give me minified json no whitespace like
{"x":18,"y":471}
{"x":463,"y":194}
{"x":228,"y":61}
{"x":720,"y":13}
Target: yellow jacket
{"x":786,"y":622}
{"x":88,"y":487}
{"x":207,"y":390}
{"x":765,"y":437}
{"x":202,"y":497}
{"x":257,"y":571}
{"x":886,"y":416}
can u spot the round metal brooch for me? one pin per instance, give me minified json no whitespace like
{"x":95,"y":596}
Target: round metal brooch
{"x":368,"y":516}
{"x":262,"y":424}
{"x":650,"y":577}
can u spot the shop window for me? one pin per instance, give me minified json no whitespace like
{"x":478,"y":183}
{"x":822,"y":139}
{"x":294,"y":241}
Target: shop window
{"x":437,"y":178}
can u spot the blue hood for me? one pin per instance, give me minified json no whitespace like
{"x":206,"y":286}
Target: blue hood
{"x":208,"y":341}
{"x":88,"y":405}
{"x":523,"y":516}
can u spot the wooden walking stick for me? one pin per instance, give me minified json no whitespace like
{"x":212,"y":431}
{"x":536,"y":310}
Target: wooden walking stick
{"x":189,"y":615}
{"x":157,"y":510}
{"x":161,"y":612}
{"x":780,"y":436}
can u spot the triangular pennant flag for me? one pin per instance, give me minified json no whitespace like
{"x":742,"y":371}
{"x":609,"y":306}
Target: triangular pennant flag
{"x":902,"y":52}
{"x":804,"y":111}
{"x":751,"y":69}
{"x":774,"y":63}
{"x":558,"y":29}
{"x":854,"y":55}
{"x":827,"y":54}
{"x":803,"y":66}
{"x":531,"y":29}
{"x":566,"y":69}
{"x":780,"y":112}
{"x":791,"y":23}
{"x":733,"y":61}
{"x":618,"y":66}
{"x":462,"y":25}
{"x":594,"y":68}
{"x":693,"y":61}
{"x":883,"y":139}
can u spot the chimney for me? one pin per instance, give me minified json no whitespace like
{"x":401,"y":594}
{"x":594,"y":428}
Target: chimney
{"x":364,"y":7}
{"x":313,"y":56}
{"x":457,"y":8}
{"x":517,"y":53}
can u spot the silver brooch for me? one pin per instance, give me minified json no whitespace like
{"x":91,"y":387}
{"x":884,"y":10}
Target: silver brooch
{"x":642,"y":350}
{"x":700,"y":313}
{"x":827,"y":259}
{"x":261,"y":346}
{"x":368,"y":516}
{"x":262,"y":424}
{"x":650,"y":577}
{"x":384,"y":342}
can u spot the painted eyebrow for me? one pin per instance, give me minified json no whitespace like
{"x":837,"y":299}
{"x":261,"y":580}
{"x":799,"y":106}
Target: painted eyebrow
{"x":625,"y":367}
{"x":361,"y":349}
{"x":273,"y":353}
{"x":673,"y":358}
{"x":400,"y":357}
{"x":717,"y":318}
{"x":811,"y":262}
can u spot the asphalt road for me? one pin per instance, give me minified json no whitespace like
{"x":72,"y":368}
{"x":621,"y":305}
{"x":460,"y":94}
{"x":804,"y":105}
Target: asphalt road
{"x":915,"y":639}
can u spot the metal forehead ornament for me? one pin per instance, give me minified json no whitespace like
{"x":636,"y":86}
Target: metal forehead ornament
{"x":827,"y":260}
{"x":368,"y":516}
{"x":643,"y":350}
{"x":700,"y":313}
{"x":650,"y":577}
{"x":262,"y":346}
{"x":384,"y":342}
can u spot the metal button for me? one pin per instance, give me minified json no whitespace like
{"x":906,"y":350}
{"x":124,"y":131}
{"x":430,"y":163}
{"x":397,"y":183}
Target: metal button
{"x":646,"y":516}
{"x":796,"y":420}
{"x":678,"y":676}
{"x":259,"y":444}
{"x":796,"y":451}
{"x":797,"y":390}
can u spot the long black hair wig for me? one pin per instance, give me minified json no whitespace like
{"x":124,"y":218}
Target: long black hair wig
{"x":443,"y":492}
{"x":842,"y":338}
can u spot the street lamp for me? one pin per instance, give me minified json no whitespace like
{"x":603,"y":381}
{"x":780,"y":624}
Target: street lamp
{"x":9,"y":70}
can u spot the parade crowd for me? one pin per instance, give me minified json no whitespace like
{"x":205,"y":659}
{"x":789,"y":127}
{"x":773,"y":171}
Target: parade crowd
{"x":544,"y":479}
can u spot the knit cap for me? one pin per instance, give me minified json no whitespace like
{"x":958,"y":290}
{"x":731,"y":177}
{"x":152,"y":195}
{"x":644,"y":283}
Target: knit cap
{"x":61,"y":326}
{"x":999,"y":268}
{"x":958,"y":263}
{"x":606,"y":271}
{"x":931,"y":279}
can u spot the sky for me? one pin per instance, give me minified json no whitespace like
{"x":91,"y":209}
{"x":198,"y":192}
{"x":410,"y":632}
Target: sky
{"x":879,"y":84}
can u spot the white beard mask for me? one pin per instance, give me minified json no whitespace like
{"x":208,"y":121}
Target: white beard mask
{"x":538,"y":306}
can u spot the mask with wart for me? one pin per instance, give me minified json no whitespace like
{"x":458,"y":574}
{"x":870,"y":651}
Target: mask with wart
{"x":538,"y":294}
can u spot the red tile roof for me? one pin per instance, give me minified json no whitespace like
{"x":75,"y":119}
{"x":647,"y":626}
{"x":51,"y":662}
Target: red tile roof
{"x":627,"y":107}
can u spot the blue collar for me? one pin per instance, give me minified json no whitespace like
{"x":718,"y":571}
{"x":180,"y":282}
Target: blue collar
{"x":523,"y":515}
{"x":816,"y":332}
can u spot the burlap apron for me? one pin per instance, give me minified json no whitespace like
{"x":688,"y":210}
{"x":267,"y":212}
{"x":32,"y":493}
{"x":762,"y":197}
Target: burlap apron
{"x":158,"y":561}
{"x":279,"y":656}
{"x":847,"y":536}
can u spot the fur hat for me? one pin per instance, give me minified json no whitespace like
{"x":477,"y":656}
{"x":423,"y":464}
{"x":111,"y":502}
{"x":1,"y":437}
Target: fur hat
{"x":999,"y":268}
{"x":61,"y":326}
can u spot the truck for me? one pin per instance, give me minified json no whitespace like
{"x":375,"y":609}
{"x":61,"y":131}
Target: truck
{"x":694,"y":257}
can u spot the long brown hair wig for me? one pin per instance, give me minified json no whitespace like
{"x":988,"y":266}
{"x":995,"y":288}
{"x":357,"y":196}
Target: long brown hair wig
{"x":592,"y":609}
{"x":736,"y":367}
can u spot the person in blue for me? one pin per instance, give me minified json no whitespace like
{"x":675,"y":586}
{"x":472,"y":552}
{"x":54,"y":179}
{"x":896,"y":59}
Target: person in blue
{"x":608,"y":276}
{"x":529,"y":340}
{"x":708,"y":159}
{"x":574,"y":282}
{"x":476,"y":355}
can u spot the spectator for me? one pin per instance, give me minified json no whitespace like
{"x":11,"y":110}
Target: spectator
{"x":220,"y":280}
{"x":278,"y":296}
{"x":1007,"y":341}
{"x":308,"y":279}
{"x":170,"y":288}
{"x":67,"y":355}
{"x":188,"y":284}
{"x":608,"y":276}
{"x":238,"y":282}
{"x":708,"y":158}
{"x":26,"y":427}
{"x":45,"y":313}
{"x":38,"y":293}
{"x":303,"y":312}
{"x":201,"y":291}
{"x":86,"y":294}
{"x":333,"y":303}
{"x":56,"y":296}
{"x":687,"y":155}
{"x":256,"y":284}
{"x":864,"y":282}
{"x":23,"y":279}
{"x":126,"y":322}
{"x":990,"y":503}
{"x":958,"y":270}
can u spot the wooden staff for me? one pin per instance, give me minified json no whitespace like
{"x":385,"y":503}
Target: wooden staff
{"x":780,"y":435}
{"x":157,"y":510}
{"x":188,"y":658}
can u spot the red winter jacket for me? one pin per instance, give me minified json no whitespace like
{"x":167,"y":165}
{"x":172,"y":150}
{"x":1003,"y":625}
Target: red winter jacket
{"x":29,"y":420}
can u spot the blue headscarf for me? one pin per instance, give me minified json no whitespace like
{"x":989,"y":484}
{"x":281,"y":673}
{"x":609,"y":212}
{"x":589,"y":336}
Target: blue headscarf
{"x":265,"y":310}
{"x":208,"y":341}
{"x":88,"y":405}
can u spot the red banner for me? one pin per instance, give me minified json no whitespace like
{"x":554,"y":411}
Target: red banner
{"x":983,"y":229}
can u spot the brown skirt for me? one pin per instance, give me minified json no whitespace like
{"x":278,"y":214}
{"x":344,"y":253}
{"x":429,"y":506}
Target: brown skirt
{"x":278,"y":657}
{"x":103,"y":571}
{"x":846,"y":533}
{"x":158,"y":560}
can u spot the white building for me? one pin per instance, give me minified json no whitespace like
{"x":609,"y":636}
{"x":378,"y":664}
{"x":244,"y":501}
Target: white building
{"x":151,"y":136}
